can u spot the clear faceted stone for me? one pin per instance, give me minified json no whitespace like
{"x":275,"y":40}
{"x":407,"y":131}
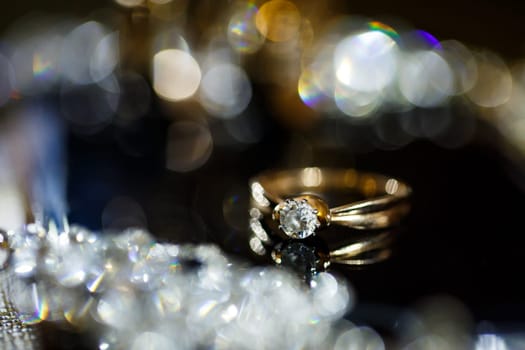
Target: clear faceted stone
{"x":25,"y":245}
{"x":5,"y":252}
{"x":76,"y":307}
{"x":331,"y":297}
{"x":136,"y":241}
{"x":298,"y":219}
{"x":110,"y":266}
{"x":68,"y":265}
{"x":169,"y":299}
{"x":148,"y":272}
{"x":70,"y":255}
{"x":119,"y":309}
{"x":153,"y":340}
{"x":170,"y":296}
{"x":35,"y":301}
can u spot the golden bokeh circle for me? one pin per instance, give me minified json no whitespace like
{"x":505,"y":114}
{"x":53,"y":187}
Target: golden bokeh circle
{"x":278,"y":20}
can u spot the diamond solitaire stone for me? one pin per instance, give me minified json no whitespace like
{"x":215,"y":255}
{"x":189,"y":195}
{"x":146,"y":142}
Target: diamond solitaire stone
{"x":298,"y":219}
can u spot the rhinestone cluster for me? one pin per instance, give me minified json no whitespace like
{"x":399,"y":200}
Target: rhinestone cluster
{"x":132,"y":291}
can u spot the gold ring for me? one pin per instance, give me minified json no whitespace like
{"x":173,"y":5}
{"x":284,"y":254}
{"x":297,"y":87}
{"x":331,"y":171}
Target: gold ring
{"x":297,"y":199}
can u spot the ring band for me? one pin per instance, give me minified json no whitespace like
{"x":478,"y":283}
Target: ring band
{"x":312,"y":256}
{"x":295,"y":199}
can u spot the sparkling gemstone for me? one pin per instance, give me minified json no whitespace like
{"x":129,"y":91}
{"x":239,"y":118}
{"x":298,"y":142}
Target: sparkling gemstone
{"x":25,"y":245}
{"x":77,"y":307}
{"x":35,"y":301}
{"x":331,"y":297}
{"x":147,"y":273}
{"x":298,"y":219}
{"x":5,"y":252}
{"x":119,"y":309}
{"x":152,"y":340}
{"x":70,"y":255}
{"x":136,"y":241}
{"x":68,"y":265}
{"x":157,"y":295}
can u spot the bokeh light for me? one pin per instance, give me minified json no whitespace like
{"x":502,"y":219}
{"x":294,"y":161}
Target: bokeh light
{"x":243,"y":34}
{"x":323,"y":72}
{"x":417,"y":40}
{"x":189,"y":145}
{"x":308,"y":90}
{"x":494,"y":81}
{"x":278,"y":20}
{"x":356,"y":103}
{"x":105,"y":57}
{"x":359,"y":338}
{"x":89,"y":108}
{"x":36,"y":55}
{"x":87,"y":50}
{"x":426,"y":79}
{"x":123,"y":212}
{"x":160,"y":2}
{"x":383,"y":28}
{"x":176,"y":74}
{"x":225,"y":90}
{"x":130,"y":3}
{"x":366,"y":62}
{"x":135,"y":98}
{"x":462,"y":63}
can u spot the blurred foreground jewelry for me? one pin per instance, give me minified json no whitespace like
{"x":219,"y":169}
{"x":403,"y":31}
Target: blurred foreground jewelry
{"x":14,"y":334}
{"x":132,"y":292}
{"x":293,"y":199}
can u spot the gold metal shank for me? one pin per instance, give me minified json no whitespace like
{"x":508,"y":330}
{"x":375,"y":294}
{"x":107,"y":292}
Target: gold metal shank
{"x":384,"y":204}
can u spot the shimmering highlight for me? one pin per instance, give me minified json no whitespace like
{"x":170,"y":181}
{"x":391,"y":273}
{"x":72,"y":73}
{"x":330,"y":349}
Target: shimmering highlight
{"x":429,"y":38}
{"x":309,"y":92}
{"x":41,"y":307}
{"x":383,"y":28}
{"x":242,"y":31}
{"x":42,"y":67}
{"x":174,"y":265}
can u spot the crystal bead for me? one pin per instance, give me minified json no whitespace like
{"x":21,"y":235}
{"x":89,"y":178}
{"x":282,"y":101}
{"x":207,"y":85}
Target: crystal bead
{"x":136,"y":242}
{"x":5,"y":251}
{"x":152,"y":340}
{"x":147,"y":272}
{"x":112,"y":266}
{"x":25,"y":244}
{"x":35,"y":301}
{"x":77,"y":307}
{"x":168,"y":296}
{"x":359,"y":338}
{"x":331,"y":298}
{"x":69,"y":257}
{"x":168,"y":300}
{"x":119,"y":309}
{"x":112,"y":341}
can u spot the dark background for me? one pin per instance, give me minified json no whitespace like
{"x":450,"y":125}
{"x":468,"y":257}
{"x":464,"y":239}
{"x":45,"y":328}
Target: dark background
{"x":465,"y":235}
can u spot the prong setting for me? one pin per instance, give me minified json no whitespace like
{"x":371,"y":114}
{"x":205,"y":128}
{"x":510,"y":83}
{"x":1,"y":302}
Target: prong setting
{"x":302,"y":216}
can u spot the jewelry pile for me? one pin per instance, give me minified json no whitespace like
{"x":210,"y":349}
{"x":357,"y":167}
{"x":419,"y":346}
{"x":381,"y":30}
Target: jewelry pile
{"x":136,"y":293}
